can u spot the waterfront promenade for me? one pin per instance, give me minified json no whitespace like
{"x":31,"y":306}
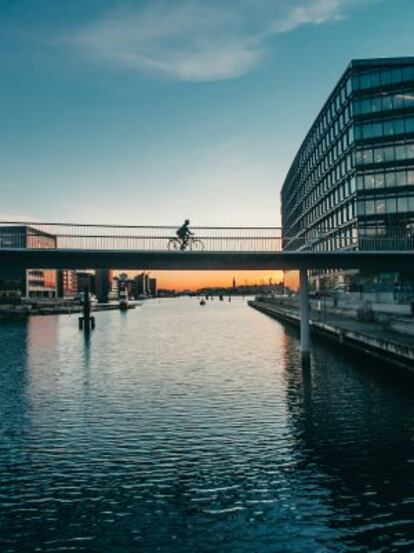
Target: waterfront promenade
{"x":375,"y":339}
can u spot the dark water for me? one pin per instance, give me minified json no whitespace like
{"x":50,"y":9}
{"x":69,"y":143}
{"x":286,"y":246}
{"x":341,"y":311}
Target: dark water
{"x":179,"y":428}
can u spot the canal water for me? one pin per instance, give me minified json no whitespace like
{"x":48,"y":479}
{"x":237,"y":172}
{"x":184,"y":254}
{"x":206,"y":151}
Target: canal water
{"x":181,"y":428}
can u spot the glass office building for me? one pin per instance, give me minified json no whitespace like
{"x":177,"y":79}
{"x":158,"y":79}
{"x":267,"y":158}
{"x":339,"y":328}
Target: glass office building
{"x":351,"y":184}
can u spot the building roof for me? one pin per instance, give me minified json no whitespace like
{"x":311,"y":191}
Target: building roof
{"x":26,"y":228}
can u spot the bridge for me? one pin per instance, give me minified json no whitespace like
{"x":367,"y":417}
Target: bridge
{"x":37,"y":245}
{"x":72,"y":246}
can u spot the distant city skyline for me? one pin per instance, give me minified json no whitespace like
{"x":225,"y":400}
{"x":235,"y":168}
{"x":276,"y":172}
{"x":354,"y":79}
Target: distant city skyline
{"x":193,"y":280}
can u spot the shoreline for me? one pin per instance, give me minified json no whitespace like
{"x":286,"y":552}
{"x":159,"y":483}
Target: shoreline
{"x":19,"y":312}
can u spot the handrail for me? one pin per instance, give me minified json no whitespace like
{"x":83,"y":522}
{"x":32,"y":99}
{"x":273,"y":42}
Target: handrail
{"x":113,"y":225}
{"x":25,"y":234}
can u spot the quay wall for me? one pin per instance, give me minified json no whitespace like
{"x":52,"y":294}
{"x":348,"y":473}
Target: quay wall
{"x":396,"y":354}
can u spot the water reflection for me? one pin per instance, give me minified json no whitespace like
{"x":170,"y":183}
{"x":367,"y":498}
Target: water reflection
{"x":14,"y":397}
{"x":357,"y":428}
{"x":180,"y":428}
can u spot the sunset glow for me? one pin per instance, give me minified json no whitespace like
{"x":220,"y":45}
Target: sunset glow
{"x":193,"y":280}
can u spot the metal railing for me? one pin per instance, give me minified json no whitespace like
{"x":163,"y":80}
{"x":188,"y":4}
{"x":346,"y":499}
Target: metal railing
{"x":213,"y":239}
{"x":366,"y":237}
{"x":135,"y":238}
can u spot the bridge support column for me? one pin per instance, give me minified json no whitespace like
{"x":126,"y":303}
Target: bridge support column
{"x":304,"y":317}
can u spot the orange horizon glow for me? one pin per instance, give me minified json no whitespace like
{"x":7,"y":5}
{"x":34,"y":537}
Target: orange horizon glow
{"x":194,"y":280}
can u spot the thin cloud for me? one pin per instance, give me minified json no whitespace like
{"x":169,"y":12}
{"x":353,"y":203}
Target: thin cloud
{"x":193,"y":40}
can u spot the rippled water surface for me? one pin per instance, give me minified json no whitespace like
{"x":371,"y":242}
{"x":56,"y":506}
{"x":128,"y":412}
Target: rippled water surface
{"x":180,"y":428}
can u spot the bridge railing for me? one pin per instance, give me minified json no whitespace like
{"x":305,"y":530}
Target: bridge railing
{"x":210,"y":239}
{"x":366,"y":237}
{"x":136,"y":238}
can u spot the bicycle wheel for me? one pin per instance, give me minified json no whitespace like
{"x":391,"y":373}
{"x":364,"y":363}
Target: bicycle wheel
{"x":174,"y":245}
{"x":196,"y":245}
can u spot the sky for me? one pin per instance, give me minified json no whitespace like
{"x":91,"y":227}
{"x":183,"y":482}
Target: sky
{"x":152,"y":111}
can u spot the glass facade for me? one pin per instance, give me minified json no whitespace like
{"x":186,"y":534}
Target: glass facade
{"x":353,"y":176}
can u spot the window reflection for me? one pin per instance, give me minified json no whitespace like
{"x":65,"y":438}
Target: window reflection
{"x":382,"y":154}
{"x":368,"y":155}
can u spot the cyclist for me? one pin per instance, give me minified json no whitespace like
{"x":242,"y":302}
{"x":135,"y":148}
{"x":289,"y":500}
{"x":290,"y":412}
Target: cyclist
{"x":184,"y":234}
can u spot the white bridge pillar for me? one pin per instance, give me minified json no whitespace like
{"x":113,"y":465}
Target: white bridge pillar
{"x":304,"y":316}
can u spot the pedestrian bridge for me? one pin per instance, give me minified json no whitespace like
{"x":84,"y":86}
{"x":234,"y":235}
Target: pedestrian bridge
{"x":78,"y":246}
{"x":69,"y":246}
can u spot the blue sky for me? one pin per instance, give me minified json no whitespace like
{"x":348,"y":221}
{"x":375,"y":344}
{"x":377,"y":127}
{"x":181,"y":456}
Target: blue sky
{"x":147,"y":112}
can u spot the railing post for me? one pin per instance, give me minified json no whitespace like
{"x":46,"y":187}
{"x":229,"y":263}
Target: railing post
{"x":304,"y":316}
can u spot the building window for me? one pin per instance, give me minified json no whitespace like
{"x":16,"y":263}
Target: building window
{"x":379,"y":180}
{"x":378,"y":155}
{"x":400,"y":178}
{"x":380,"y":206}
{"x":389,"y":128}
{"x":402,"y":204}
{"x":365,"y":80}
{"x":408,"y":73}
{"x":369,"y":182}
{"x":396,"y":76}
{"x":400,"y":152}
{"x":370,"y":207}
{"x":391,"y":205}
{"x":409,"y":124}
{"x":389,"y":154}
{"x":390,"y":178}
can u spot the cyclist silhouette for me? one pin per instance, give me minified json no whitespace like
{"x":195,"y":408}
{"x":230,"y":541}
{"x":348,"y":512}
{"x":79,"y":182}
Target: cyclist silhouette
{"x":185,"y":240}
{"x":184,"y":234}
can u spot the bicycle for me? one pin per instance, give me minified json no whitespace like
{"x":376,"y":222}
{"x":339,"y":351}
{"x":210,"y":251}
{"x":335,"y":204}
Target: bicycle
{"x":192,"y":244}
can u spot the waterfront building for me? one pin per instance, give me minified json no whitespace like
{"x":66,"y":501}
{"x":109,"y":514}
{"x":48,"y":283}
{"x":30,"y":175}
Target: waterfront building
{"x":351,"y":183}
{"x":103,"y":284}
{"x":67,"y":283}
{"x":32,"y":283}
{"x":140,"y":285}
{"x":85,"y":280}
{"x":113,"y":293}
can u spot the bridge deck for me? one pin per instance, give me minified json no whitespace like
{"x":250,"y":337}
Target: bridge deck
{"x":73,"y":246}
{"x":162,"y":260}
